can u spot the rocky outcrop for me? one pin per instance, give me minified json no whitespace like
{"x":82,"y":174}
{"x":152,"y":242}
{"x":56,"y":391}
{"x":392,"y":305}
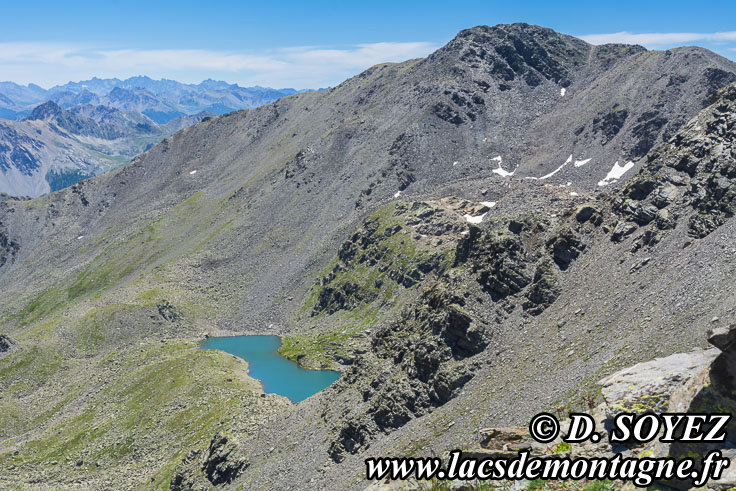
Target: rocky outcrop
{"x":544,"y":289}
{"x":525,"y":52}
{"x":418,"y":367}
{"x":417,"y":364}
{"x":218,"y":464}
{"x":6,"y":344}
{"x":498,"y":259}
{"x":607,"y":124}
{"x":8,"y":247}
{"x":168,"y":311}
{"x":693,"y":177}
{"x":397,"y":247}
{"x":565,"y":246}
{"x":700,"y":381}
{"x":421,"y":360}
{"x":696,"y":382}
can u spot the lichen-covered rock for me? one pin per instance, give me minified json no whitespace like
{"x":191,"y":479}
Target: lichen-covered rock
{"x":701,"y":381}
{"x":648,"y":386}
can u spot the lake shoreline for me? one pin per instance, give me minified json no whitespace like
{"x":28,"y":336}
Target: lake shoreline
{"x":277,"y":374}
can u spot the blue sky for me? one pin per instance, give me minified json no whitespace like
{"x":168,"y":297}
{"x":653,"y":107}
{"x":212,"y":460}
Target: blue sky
{"x":308,"y":44}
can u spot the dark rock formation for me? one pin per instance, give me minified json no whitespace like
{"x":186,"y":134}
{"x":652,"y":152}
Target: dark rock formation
{"x":8,"y":247}
{"x":498,"y":259}
{"x":5,"y":343}
{"x":694,"y":174}
{"x":218,"y":464}
{"x":544,"y":289}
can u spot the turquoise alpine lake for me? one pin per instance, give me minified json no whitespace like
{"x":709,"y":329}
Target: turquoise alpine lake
{"x":277,"y":374}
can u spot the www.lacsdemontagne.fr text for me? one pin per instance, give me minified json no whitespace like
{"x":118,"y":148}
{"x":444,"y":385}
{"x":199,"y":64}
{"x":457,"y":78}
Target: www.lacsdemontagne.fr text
{"x":640,"y":471}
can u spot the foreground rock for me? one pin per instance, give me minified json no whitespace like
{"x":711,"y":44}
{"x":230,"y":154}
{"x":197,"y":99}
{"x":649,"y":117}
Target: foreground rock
{"x":697,"y":382}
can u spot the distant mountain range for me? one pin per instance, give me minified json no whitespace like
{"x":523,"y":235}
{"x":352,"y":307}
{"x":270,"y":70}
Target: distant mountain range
{"x":160,"y":100}
{"x":54,"y":138}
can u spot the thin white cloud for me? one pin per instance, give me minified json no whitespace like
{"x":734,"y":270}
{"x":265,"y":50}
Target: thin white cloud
{"x":656,"y":39}
{"x":48,"y":64}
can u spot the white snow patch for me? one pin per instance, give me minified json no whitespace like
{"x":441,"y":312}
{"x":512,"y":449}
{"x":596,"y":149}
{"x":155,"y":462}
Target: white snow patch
{"x":489,"y":204}
{"x":616,"y":173}
{"x":193,"y":172}
{"x":476,"y":219}
{"x":80,"y":237}
{"x":569,"y":159}
{"x":562,"y":91}
{"x":465,"y":232}
{"x":580,"y":163}
{"x":503,"y":173}
{"x":455,"y":163}
{"x":397,"y":194}
{"x":573,"y":193}
{"x":500,"y":170}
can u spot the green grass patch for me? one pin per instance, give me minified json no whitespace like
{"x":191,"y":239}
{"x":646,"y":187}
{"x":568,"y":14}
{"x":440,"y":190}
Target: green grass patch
{"x":318,"y":350}
{"x":169,"y":396}
{"x":562,"y":447}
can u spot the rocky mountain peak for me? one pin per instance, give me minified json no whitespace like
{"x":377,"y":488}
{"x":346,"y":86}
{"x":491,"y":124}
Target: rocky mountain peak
{"x":46,"y":111}
{"x":525,"y":51}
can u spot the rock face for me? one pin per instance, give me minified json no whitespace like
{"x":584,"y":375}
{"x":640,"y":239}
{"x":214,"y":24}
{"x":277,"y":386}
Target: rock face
{"x":693,"y":175}
{"x":424,"y":358}
{"x":8,"y":247}
{"x":649,"y":386}
{"x":699,"y":381}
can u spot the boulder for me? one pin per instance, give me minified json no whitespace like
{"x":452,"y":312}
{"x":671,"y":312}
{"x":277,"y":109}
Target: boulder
{"x":723,"y":338}
{"x":586,"y":212}
{"x":701,"y":381}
